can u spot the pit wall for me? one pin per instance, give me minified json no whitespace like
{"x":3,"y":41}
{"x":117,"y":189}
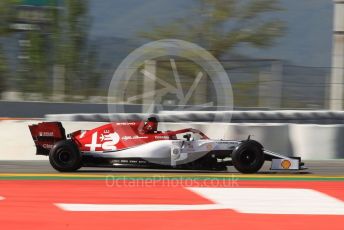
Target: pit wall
{"x":311,"y":142}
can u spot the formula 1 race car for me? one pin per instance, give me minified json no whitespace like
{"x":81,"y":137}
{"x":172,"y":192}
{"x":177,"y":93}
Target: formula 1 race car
{"x":139,"y":144}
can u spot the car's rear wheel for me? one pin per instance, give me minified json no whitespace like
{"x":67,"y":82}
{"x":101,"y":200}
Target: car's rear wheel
{"x":248,"y":157}
{"x":65,"y":156}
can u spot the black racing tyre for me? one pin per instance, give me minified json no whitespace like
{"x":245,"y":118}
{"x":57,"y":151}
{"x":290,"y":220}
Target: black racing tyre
{"x":65,"y":156}
{"x":248,"y":157}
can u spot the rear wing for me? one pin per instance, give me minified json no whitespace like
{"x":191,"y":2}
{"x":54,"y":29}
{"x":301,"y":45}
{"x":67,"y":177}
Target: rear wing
{"x":45,"y":135}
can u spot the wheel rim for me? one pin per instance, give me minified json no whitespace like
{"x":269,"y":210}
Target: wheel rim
{"x":248,"y":157}
{"x":64,"y":157}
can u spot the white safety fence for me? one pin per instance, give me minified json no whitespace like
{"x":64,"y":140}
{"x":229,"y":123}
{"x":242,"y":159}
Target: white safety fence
{"x":306,"y":140}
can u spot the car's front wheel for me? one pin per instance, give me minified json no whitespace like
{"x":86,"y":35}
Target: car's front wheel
{"x":248,"y":157}
{"x":65,"y":156}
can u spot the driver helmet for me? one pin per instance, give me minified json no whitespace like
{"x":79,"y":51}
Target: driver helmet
{"x":151,"y":125}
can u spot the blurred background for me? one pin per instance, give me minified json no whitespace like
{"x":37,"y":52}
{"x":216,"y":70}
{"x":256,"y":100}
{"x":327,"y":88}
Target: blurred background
{"x":284,"y":58}
{"x":279,"y":54}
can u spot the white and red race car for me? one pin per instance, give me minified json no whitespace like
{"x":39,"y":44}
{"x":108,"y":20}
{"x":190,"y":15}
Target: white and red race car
{"x":139,"y":144}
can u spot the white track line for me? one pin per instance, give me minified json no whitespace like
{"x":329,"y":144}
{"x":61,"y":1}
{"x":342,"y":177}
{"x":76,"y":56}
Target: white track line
{"x":243,"y":200}
{"x":274,"y":200}
{"x":136,"y":207}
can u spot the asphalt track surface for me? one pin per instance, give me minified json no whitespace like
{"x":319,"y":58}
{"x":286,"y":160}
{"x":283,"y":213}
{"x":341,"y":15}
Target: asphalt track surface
{"x":322,"y":168}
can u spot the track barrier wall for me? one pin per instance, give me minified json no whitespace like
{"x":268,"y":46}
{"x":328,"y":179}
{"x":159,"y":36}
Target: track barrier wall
{"x":325,"y":117}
